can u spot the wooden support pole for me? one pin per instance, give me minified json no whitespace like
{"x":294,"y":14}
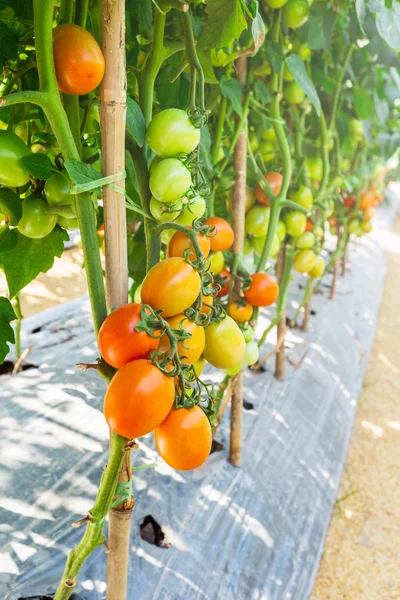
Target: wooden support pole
{"x":238,"y":218}
{"x":112,"y":117}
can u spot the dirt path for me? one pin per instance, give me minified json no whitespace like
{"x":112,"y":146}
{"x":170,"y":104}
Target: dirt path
{"x":361,"y":560}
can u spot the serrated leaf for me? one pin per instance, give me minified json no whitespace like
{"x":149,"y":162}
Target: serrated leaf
{"x":135,"y":122}
{"x":225,"y":23}
{"x":39,"y":165}
{"x":387,"y":21}
{"x":300,"y":75}
{"x":30,"y":257}
{"x":275,"y":55}
{"x":8,"y":239}
{"x":232,"y":90}
{"x":81,"y":173}
{"x":10,"y":205}
{"x":7,"y":337}
{"x":363,"y":104}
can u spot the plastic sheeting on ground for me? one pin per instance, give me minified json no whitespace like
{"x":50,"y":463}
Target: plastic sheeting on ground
{"x":251,"y":533}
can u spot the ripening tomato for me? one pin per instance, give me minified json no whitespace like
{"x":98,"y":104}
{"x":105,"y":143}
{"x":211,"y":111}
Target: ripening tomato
{"x":57,"y":190}
{"x":138,"y":399}
{"x":274,"y":181}
{"x":263,"y":290}
{"x":296,"y":222}
{"x":296,"y":13}
{"x":349,"y":200}
{"x":250,"y":199}
{"x":318,"y":268}
{"x":304,"y":261}
{"x":226,"y":276}
{"x":248,"y":333}
{"x":225,"y":345}
{"x":366,"y":226}
{"x":257,"y":221}
{"x":171,"y":285}
{"x":224,"y":236}
{"x":78,"y":60}
{"x":314,"y":167}
{"x":303,"y":196}
{"x":252,"y":354}
{"x":180,"y":242}
{"x":293,"y":93}
{"x":165,"y":213}
{"x":35,"y":223}
{"x":305,"y":240}
{"x":309,"y":225}
{"x":184,"y":439}
{"x":366,"y":199}
{"x":216,"y":262}
{"x":170,"y":180}
{"x":171,"y":133}
{"x":119,"y":342}
{"x":240,"y":312}
{"x":12,"y":149}
{"x":369,"y":213}
{"x":191,"y":348}
{"x":354,"y":226}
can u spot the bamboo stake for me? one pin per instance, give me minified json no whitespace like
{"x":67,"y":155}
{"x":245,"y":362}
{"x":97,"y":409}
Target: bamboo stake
{"x":112,"y":116}
{"x":281,"y":329}
{"x":238,"y":217}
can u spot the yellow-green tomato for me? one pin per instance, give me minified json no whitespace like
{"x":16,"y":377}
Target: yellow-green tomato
{"x":233,"y":371}
{"x":356,"y":129}
{"x":318,"y":232}
{"x":252,"y":354}
{"x":257,"y":219}
{"x":171,"y":133}
{"x":354,"y":226}
{"x":193,"y":209}
{"x":199,"y":366}
{"x":170,"y":180}
{"x":57,"y":190}
{"x":293,"y":93}
{"x":216,"y":262}
{"x":304,"y":261}
{"x":259,"y":242}
{"x":267,"y":150}
{"x":275,"y":3}
{"x":12,"y":149}
{"x":314,"y":168}
{"x":318,"y":268}
{"x":295,"y":222}
{"x":136,"y":296}
{"x":165,"y":213}
{"x":366,"y":226}
{"x":305,"y":240}
{"x":35,"y":223}
{"x":167,"y":235}
{"x":303,"y":196}
{"x":225,"y":346}
{"x":269,"y":134}
{"x":68,"y":223}
{"x":281,"y":231}
{"x":296,"y":13}
{"x":248,"y":332}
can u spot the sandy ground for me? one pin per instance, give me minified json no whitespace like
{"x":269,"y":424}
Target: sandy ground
{"x":361,"y":560}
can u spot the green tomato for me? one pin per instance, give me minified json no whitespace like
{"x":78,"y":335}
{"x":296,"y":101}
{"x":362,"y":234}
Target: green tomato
{"x":254,"y":143}
{"x":257,"y":219}
{"x":318,"y":268}
{"x":305,"y":240}
{"x":303,"y":196}
{"x":155,"y":161}
{"x":247,"y":246}
{"x":68,"y":223}
{"x":267,"y":150}
{"x":296,"y":13}
{"x":248,"y":332}
{"x":354,"y":226}
{"x":304,"y":261}
{"x":295,"y":222}
{"x":57,"y":190}
{"x":165,"y":213}
{"x":366,"y":226}
{"x":281,"y":231}
{"x":287,"y":76}
{"x":35,"y":223}
{"x":329,"y":208}
{"x":88,"y":152}
{"x":252,"y":354}
{"x":171,"y":133}
{"x":314,"y":167}
{"x":216,"y":262}
{"x":275,"y":3}
{"x":303,"y":51}
{"x":170,"y":180}
{"x":12,"y":149}
{"x":269,"y":134}
{"x":259,"y":242}
{"x":193,"y":209}
{"x":233,"y":371}
{"x":137,"y":295}
{"x":263,"y":69}
{"x":356,"y":129}
{"x":293,"y":93}
{"x":166,"y":236}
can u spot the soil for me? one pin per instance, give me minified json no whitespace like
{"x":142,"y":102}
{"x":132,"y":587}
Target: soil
{"x":361,"y":560}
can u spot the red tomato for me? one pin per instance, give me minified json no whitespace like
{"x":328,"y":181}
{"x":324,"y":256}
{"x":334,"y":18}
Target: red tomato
{"x":274,"y":181}
{"x":263,"y":290}
{"x":78,"y":60}
{"x":138,"y":399}
{"x":349,"y":201}
{"x":181,"y":241}
{"x":226,"y":276}
{"x":184,"y":438}
{"x":224,"y":236}
{"x":119,"y":342}
{"x":171,"y":285}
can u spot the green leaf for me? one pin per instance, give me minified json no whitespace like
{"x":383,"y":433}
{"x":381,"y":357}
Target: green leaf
{"x":261,"y":92}
{"x":320,"y":26}
{"x":361,"y":11}
{"x":8,"y":239}
{"x":81,"y":173}
{"x":10,"y":205}
{"x":225,"y":23}
{"x":232,"y":90}
{"x":389,"y":144}
{"x":275,"y":55}
{"x":206,"y":63}
{"x":143,"y":13}
{"x":7,"y":315}
{"x":135,"y":122}
{"x":387,"y":21}
{"x":300,"y":75}
{"x":257,"y":28}
{"x":363,"y":104}
{"x":39,"y":165}
{"x":30,"y":257}
{"x":8,"y":41}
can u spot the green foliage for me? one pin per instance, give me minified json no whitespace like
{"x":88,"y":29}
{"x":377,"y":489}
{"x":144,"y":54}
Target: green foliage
{"x":225,"y":23}
{"x":7,"y":337}
{"x":38,"y":165}
{"x":135,"y":122}
{"x":300,"y":75}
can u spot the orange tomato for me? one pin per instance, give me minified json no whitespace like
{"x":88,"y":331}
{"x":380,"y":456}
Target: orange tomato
{"x":274,"y":181}
{"x":207,"y":300}
{"x":224,"y":236}
{"x":309,"y":225}
{"x":369,"y":213}
{"x":191,"y":348}
{"x":241,"y":313}
{"x":184,"y":439}
{"x":78,"y":60}
{"x":138,"y":399}
{"x":171,"y":285}
{"x":263,"y":290}
{"x":226,"y":276}
{"x":366,"y":199}
{"x":181,"y":241}
{"x":119,"y":342}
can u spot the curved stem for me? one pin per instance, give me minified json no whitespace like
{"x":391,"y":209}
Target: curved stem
{"x":193,"y":59}
{"x":27,"y":66}
{"x":272,"y":225}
